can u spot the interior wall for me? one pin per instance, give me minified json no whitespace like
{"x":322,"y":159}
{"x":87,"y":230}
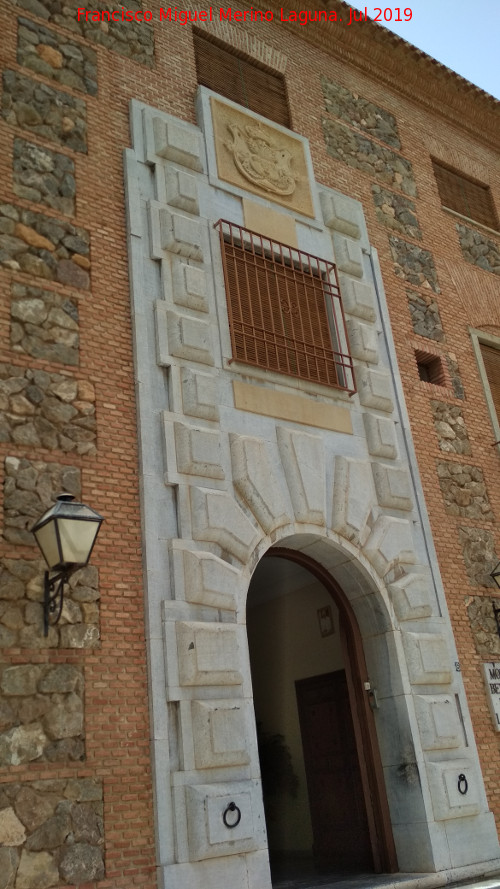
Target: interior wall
{"x":286,"y":645}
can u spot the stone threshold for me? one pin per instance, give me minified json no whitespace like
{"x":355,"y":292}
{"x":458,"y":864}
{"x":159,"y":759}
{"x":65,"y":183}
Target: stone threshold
{"x":481,"y":876}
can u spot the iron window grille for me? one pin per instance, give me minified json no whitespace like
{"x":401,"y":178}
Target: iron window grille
{"x":284,"y":307}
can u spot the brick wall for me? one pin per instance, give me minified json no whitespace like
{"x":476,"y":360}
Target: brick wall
{"x":63,"y":266}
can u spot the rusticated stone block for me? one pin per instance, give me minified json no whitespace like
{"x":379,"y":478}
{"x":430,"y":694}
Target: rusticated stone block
{"x":410,"y":596}
{"x":177,"y":142}
{"x":220,"y":733}
{"x":414,"y":264}
{"x":202,"y":578}
{"x":45,"y":247}
{"x":21,"y":616}
{"x":208,"y":654}
{"x":464,"y":491}
{"x":43,"y":717}
{"x":425,"y":316}
{"x":450,"y":427}
{"x":348,"y":255}
{"x":380,"y":436}
{"x":199,"y":394}
{"x":353,"y":498}
{"x":44,"y":325}
{"x":256,"y":482}
{"x":428,"y":658}
{"x":358,"y":151}
{"x":360,"y":113}
{"x":44,"y":177}
{"x":342,"y":214}
{"x":479,"y":250}
{"x":30,"y":488}
{"x":56,"y":57}
{"x":60,"y":827}
{"x":46,"y":410}
{"x":42,"y":110}
{"x":438,"y":722}
{"x":396,"y":212}
{"x":182,"y":336}
{"x":358,"y":298}
{"x":303,"y":459}
{"x":393,"y":487}
{"x":447,"y":799}
{"x":375,"y":389}
{"x":217,"y":518}
{"x":189,"y":286}
{"x":363,"y":341}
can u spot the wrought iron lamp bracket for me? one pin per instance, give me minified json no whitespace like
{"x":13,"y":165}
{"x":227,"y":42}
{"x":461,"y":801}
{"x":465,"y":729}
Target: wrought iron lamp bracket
{"x":53,"y":598}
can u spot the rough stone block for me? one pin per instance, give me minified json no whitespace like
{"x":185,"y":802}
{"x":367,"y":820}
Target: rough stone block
{"x":353,"y":498}
{"x":217,"y":518}
{"x":348,"y":256}
{"x":393,"y":487}
{"x":410,"y":597}
{"x":204,"y":579}
{"x":182,"y":336}
{"x":358,"y":298}
{"x":208,"y":654}
{"x":255,"y":481}
{"x":219,"y":733}
{"x":438,"y":722}
{"x":447,"y":801}
{"x":342,"y":214}
{"x":208,"y":835}
{"x":390,"y":543}
{"x":380,"y":436}
{"x":428,"y":658}
{"x":189,"y":286}
{"x":198,"y":451}
{"x":178,"y":142}
{"x":363,"y":341}
{"x":360,"y":113}
{"x":199,"y":394}
{"x":375,"y":389}
{"x":49,"y":113}
{"x":181,"y":234}
{"x":182,"y":190}
{"x":303,"y":460}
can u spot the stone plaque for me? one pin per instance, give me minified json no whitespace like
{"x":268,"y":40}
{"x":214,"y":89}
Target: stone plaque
{"x":491,"y":673}
{"x":261,"y":158}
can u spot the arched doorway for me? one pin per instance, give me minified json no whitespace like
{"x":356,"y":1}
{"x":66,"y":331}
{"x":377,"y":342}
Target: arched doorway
{"x":324,"y":795}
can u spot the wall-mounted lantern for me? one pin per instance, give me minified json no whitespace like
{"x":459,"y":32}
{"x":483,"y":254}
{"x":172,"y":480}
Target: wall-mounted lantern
{"x":66,"y":534}
{"x":495,"y":574}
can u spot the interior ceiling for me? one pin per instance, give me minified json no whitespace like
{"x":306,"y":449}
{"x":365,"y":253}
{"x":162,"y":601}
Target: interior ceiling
{"x":275,"y":577}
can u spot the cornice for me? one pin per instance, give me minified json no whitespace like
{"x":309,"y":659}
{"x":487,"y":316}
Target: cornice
{"x":399,"y":65}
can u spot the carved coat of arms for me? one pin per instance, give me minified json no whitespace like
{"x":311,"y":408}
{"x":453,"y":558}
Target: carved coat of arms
{"x":260,"y":160}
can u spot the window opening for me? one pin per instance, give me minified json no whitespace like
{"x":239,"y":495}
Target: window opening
{"x":465,"y":196}
{"x":284,"y":307}
{"x":240,"y":79}
{"x":430,"y":368}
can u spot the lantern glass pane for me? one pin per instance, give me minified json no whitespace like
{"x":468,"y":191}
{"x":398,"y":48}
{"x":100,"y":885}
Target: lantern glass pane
{"x":46,"y":538}
{"x":77,"y":539}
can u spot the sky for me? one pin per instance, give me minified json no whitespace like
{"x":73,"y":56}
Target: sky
{"x":462,"y":34}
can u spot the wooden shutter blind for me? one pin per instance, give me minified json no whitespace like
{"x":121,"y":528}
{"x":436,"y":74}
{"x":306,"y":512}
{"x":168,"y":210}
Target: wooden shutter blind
{"x":280,"y":307}
{"x":240,"y":80}
{"x":465,"y":196}
{"x":491,"y":360}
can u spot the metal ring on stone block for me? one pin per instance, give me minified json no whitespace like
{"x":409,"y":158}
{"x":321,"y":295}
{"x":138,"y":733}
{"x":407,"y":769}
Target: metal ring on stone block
{"x":232,"y":807}
{"x":463,"y":784}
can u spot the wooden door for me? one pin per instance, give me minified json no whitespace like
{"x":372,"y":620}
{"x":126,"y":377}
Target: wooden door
{"x":336,"y":798}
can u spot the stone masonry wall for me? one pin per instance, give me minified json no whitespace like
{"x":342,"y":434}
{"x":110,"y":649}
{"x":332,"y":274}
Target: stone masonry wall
{"x":362,"y":153}
{"x":47,"y":410}
{"x":56,"y":57}
{"x":484,"y":626}
{"x":134,"y":40}
{"x":450,"y":428}
{"x":44,"y":111}
{"x":464,"y":491}
{"x":360,"y":113}
{"x":41,"y":715}
{"x":43,"y":246}
{"x":44,"y":177}
{"x":414,"y":264}
{"x":51,"y":833}
{"x":45,"y":325}
{"x":397,"y":212}
{"x":479,"y":250}
{"x":478,"y":548}
{"x":425,"y":316}
{"x":30,"y":488}
{"x":21,"y":616}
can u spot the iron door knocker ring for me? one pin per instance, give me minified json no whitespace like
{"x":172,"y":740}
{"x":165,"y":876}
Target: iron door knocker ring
{"x":232,"y":807}
{"x":463,"y":784}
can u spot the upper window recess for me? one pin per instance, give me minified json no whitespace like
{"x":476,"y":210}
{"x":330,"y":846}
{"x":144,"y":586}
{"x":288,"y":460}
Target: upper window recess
{"x":465,"y":196}
{"x":284,"y":307}
{"x":240,"y":79}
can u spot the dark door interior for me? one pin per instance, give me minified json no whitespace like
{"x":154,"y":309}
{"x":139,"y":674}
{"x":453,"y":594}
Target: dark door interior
{"x":337,"y":805}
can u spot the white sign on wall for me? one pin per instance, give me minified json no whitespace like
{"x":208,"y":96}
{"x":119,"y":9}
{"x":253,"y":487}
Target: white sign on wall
{"x":491,"y":672}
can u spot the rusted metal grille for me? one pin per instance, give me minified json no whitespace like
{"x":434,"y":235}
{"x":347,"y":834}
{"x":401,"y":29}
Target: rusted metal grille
{"x":465,"y":196}
{"x":285,"y":311}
